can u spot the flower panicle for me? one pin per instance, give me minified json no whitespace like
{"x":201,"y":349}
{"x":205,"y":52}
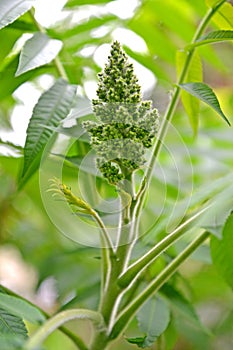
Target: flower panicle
{"x":126,"y":125}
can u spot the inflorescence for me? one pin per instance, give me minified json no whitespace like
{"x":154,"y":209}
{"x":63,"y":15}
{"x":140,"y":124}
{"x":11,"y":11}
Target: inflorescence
{"x":126,"y":125}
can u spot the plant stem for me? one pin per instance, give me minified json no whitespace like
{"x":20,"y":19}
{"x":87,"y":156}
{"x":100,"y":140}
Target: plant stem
{"x":173,"y":103}
{"x":56,"y":61}
{"x":76,"y":340}
{"x":151,"y":255}
{"x":55,"y":322}
{"x":127,"y":314}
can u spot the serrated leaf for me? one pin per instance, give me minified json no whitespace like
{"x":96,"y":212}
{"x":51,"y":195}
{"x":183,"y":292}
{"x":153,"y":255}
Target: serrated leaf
{"x":21,"y":308}
{"x":10,"y":10}
{"x":190,"y":103}
{"x":221,"y":251}
{"x":213,"y":37}
{"x":204,"y":93}
{"x":153,"y":319}
{"x":11,"y":324}
{"x":53,"y":106}
{"x":37,"y":51}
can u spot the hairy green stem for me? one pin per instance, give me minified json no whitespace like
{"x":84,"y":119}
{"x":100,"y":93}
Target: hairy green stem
{"x":151,"y":255}
{"x":173,"y":103}
{"x":127,"y":314}
{"x":75,"y":339}
{"x":55,"y":322}
{"x":56,"y":61}
{"x":111,"y":300}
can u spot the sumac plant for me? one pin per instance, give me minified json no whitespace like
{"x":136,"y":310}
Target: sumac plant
{"x":124,"y":134}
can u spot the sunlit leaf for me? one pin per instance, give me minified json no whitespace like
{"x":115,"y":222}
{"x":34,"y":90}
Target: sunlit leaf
{"x":73,"y":3}
{"x":37,"y":51}
{"x":213,"y":37}
{"x":204,"y":93}
{"x":191,"y":104}
{"x":10,"y":10}
{"x":21,"y":308}
{"x":221,"y":251}
{"x":224,"y":16}
{"x":52,"y":107}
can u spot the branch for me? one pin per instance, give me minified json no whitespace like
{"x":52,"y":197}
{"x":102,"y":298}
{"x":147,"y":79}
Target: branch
{"x":127,"y":314}
{"x":173,"y":103}
{"x":55,"y":322}
{"x":76,"y":340}
{"x":127,"y":277}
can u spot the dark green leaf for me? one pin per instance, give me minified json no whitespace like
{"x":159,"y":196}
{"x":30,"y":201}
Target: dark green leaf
{"x":204,"y":93}
{"x":10,"y":10}
{"x":52,"y":107}
{"x":11,"y":324}
{"x":221,"y":251}
{"x":213,"y":37}
{"x":153,"y":319}
{"x":37,"y":51}
{"x":137,"y":341}
{"x":21,"y":308}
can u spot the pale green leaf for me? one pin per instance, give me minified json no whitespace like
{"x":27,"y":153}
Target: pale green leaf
{"x":37,"y":51}
{"x":74,"y":3}
{"x":21,"y":308}
{"x":204,"y":93}
{"x":182,"y":306}
{"x":223,"y":18}
{"x":11,"y":342}
{"x":11,"y":324}
{"x":190,"y":103}
{"x":53,"y":106}
{"x":10,"y":10}
{"x":153,"y":319}
{"x":221,"y":251}
{"x":213,"y":37}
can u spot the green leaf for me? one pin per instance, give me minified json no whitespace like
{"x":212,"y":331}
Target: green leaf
{"x":73,"y":3}
{"x":10,"y":10}
{"x":153,"y":319}
{"x":37,"y":51}
{"x":182,"y":306}
{"x":52,"y":107}
{"x":213,"y":37}
{"x":11,"y":324}
{"x":221,"y":251}
{"x":224,"y":16}
{"x":221,"y":206}
{"x":190,"y":103}
{"x":21,"y":308}
{"x":11,"y":342}
{"x":204,"y":93}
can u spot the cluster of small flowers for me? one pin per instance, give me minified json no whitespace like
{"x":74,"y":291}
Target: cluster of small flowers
{"x":126,"y":124}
